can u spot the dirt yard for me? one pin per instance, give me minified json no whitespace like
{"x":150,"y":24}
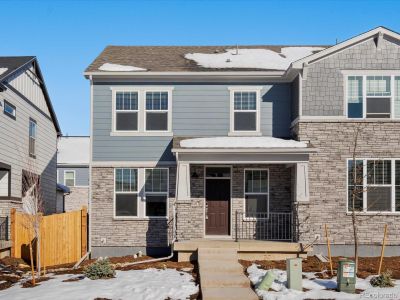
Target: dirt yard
{"x":367,"y":265}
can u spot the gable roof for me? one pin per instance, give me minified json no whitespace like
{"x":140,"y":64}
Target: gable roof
{"x":171,"y":58}
{"x":9,"y":65}
{"x":378,"y":31}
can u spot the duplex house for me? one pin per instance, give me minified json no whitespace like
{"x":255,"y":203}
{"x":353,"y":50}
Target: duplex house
{"x":29,"y":132}
{"x":73,"y":170}
{"x":245,"y":142}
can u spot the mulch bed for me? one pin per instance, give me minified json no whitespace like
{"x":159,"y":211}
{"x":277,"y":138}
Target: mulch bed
{"x":366,"y":266}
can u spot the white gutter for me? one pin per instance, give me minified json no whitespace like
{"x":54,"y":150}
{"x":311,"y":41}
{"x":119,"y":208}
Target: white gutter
{"x":214,"y":73}
{"x":244,"y":151}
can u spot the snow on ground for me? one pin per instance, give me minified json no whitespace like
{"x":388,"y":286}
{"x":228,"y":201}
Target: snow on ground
{"x":3,"y":70}
{"x":318,"y":288}
{"x":241,"y":142}
{"x":149,"y":284}
{"x":252,"y":58}
{"x":122,"y":68}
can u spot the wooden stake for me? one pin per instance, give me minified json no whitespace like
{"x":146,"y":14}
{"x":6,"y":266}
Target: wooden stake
{"x":329,"y":249}
{"x":382,"y":250}
{"x":33,"y":269}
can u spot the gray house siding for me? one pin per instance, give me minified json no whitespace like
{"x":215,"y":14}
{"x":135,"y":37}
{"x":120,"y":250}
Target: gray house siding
{"x":197,"y":110}
{"x":14,"y":142}
{"x":81,"y":175}
{"x":295,"y":98}
{"x":323,"y":91}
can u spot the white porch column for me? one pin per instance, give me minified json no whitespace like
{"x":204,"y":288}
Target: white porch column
{"x":302,"y":186}
{"x":183,"y":181}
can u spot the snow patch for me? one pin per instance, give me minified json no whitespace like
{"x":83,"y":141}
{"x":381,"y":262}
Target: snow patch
{"x":241,"y":142}
{"x":3,"y":70}
{"x":121,"y":68}
{"x":252,"y":58}
{"x":317,"y":288}
{"x":138,"y":284}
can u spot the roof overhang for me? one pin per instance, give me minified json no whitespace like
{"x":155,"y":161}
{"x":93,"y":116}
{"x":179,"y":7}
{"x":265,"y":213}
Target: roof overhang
{"x":246,"y":150}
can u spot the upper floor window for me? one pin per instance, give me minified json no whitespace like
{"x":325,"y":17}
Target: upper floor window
{"x":142,"y":111}
{"x":375,"y":96}
{"x":126,"y":111}
{"x":32,"y":137}
{"x":69,"y":178}
{"x":9,"y":109}
{"x":245,"y":111}
{"x":156,"y":111}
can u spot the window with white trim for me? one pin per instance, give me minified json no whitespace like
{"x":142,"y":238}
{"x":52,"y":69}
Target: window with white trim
{"x":156,"y":192}
{"x":10,"y":110}
{"x":5,"y":185}
{"x":69,"y":178}
{"x":32,"y":137}
{"x":126,"y":192}
{"x":245,"y":116}
{"x":126,"y":111}
{"x":373,"y":96}
{"x":156,"y":111}
{"x":256,"y":193}
{"x":376,"y":185}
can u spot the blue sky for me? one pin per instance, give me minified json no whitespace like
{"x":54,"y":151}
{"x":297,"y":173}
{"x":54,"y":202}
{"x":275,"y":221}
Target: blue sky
{"x":67,"y":35}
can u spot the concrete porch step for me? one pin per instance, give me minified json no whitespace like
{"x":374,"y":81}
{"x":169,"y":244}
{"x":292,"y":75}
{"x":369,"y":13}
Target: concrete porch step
{"x":216,"y":251}
{"x":220,"y":266}
{"x":232,"y":293}
{"x":223,"y":279}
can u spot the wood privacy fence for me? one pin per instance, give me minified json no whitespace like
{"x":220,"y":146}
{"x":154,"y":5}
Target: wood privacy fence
{"x":63,"y":237}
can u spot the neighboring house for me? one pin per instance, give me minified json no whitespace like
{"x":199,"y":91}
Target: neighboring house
{"x":73,"y":170}
{"x":29,"y":131}
{"x":247,"y":142}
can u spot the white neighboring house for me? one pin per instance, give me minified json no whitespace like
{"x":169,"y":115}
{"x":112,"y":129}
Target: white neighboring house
{"x":73,"y":172}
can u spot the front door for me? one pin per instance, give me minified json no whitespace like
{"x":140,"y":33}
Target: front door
{"x":218,"y":195}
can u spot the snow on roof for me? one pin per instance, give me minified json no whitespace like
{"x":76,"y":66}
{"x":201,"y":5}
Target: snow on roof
{"x":252,"y":58}
{"x":3,"y":70}
{"x":73,"y":150}
{"x":121,"y":68}
{"x":241,"y":142}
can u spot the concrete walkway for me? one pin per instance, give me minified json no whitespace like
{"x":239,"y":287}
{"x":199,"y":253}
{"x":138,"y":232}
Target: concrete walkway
{"x":221,"y":275}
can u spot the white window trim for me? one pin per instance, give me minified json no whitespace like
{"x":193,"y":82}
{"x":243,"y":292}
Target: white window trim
{"x":70,"y":171}
{"x":364,"y":75}
{"x":7,"y":103}
{"x":257,"y":90}
{"x":141,"y":110}
{"x":156,"y":193}
{"x":246,"y":193}
{"x":131,"y":192}
{"x":392,"y":185}
{"x":34,"y":137}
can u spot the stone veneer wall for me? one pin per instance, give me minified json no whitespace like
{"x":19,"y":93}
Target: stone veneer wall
{"x":78,"y":197}
{"x":135,"y":234}
{"x":190,"y":214}
{"x":327,"y":179}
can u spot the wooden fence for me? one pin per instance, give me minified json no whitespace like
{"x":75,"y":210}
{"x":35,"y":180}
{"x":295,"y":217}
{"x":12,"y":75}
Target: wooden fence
{"x":63,"y":237}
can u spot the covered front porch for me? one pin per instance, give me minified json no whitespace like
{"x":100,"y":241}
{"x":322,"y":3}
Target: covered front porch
{"x":237,"y":189}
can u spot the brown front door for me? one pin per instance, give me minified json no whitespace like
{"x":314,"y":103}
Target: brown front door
{"x":218,"y":195}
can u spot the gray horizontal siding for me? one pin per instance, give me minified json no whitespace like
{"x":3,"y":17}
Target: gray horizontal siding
{"x":197,"y":110}
{"x":81,"y":175}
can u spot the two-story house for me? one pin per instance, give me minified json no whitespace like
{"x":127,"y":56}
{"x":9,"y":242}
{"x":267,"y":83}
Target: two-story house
{"x":73,"y":170}
{"x":244,"y":142}
{"x":28,"y":135}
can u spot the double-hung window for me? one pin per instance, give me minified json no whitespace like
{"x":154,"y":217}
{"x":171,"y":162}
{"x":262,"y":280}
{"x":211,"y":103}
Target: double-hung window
{"x":156,"y":111}
{"x":156,"y":192}
{"x":376,"y":186}
{"x":245,"y":110}
{"x":10,"y":110}
{"x":69,"y":178}
{"x":256,"y":193}
{"x":373,"y":96}
{"x":126,"y":192}
{"x":32,"y":137}
{"x":126,"y":111}
{"x":5,"y":181}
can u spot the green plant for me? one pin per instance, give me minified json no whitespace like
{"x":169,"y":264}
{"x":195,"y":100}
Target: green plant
{"x":100,"y":269}
{"x":383,"y":280}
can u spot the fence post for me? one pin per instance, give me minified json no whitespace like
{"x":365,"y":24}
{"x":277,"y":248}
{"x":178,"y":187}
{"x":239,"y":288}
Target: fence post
{"x":83,"y":231}
{"x":13,"y":236}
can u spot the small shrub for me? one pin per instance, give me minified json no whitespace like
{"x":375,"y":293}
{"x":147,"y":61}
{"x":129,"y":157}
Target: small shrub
{"x":100,"y":269}
{"x":383,"y":280}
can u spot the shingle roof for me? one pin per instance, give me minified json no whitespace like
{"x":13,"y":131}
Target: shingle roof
{"x":168,"y":58}
{"x":12,"y":63}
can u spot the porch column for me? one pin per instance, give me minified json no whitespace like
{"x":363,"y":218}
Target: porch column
{"x":183,"y":181}
{"x":302,"y":187}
